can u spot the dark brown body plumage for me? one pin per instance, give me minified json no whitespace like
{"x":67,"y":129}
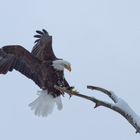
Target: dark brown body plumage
{"x":36,"y":65}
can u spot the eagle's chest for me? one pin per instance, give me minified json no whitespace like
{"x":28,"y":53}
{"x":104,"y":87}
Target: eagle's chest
{"x":60,"y":78}
{"x":52,"y":77}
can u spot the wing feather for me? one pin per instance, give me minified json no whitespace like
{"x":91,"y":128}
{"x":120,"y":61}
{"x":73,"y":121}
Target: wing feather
{"x":18,"y":58}
{"x":45,"y":31}
{"x":39,"y":32}
{"x":37,"y":36}
{"x":43,"y":47}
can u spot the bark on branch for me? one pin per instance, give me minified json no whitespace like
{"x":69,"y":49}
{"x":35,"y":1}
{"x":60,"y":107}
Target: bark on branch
{"x":119,"y":104}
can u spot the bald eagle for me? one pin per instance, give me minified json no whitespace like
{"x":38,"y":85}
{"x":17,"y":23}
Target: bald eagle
{"x":40,"y":65}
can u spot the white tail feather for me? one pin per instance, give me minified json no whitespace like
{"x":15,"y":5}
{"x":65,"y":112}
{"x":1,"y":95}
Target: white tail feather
{"x":44,"y":104}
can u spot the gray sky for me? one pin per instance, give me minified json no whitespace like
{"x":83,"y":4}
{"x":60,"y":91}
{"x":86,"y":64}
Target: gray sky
{"x":100,"y":39}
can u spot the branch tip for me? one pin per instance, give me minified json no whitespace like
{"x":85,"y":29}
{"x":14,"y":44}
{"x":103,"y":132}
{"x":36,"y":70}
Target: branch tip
{"x":138,"y":131}
{"x":97,"y":105}
{"x":90,"y":87}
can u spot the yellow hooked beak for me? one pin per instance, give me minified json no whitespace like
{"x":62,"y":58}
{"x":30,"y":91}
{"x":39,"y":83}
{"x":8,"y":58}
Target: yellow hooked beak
{"x":68,"y":67}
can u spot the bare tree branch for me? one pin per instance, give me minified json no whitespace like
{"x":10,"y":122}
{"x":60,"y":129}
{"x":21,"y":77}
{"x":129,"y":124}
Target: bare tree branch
{"x":119,"y":104}
{"x":108,"y":93}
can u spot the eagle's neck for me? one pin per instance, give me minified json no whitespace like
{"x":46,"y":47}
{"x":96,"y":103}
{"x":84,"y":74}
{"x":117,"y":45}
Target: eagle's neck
{"x":58,"y":65}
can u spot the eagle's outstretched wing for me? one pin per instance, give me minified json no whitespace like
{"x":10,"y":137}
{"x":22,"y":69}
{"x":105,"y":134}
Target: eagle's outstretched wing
{"x":43,"y":47}
{"x":18,"y":58}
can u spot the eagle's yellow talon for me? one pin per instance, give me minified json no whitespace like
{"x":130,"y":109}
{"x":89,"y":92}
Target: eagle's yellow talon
{"x":75,"y":91}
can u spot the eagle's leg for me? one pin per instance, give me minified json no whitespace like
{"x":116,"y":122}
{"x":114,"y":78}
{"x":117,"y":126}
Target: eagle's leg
{"x":70,"y":88}
{"x":62,"y":93}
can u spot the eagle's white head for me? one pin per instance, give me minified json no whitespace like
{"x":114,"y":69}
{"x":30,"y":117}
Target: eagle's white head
{"x":61,"y":64}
